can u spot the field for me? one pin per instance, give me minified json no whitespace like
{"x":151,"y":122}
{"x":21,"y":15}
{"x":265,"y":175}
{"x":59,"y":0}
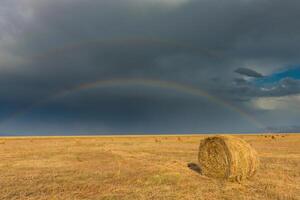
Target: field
{"x":139,"y":167}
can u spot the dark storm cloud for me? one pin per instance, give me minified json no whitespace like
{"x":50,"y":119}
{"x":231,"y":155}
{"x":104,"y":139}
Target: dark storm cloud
{"x":51,"y":45}
{"x":248,"y":72}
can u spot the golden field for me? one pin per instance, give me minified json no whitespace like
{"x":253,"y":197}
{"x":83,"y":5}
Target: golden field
{"x":139,"y":167}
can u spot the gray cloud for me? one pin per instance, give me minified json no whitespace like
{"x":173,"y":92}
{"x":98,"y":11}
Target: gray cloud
{"x":248,"y":72}
{"x":243,"y":90}
{"x":286,"y":86}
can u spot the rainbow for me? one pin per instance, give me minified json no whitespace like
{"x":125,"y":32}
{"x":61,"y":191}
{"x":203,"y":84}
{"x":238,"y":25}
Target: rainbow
{"x":191,"y":90}
{"x":160,"y":42}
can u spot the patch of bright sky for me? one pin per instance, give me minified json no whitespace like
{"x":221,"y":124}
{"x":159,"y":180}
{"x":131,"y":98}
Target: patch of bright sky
{"x":289,"y":103}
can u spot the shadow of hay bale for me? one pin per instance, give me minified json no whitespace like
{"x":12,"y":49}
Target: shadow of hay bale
{"x":196,"y":168}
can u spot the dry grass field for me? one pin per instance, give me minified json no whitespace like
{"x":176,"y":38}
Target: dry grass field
{"x":149,"y":167}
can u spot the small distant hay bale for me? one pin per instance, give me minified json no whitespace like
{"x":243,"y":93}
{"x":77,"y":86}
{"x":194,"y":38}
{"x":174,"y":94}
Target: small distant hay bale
{"x":157,"y":140}
{"x":273,"y":137}
{"x":227,"y":157}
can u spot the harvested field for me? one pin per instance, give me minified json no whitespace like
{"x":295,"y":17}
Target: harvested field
{"x":140,"y":167}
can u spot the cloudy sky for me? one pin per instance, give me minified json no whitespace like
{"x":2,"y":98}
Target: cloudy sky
{"x":148,"y":66}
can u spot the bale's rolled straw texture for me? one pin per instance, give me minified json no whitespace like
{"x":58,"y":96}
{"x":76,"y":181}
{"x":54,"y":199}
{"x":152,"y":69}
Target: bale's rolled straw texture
{"x":227,"y":157}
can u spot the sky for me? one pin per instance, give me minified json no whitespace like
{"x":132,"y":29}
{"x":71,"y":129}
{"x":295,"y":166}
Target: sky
{"x":71,"y":67}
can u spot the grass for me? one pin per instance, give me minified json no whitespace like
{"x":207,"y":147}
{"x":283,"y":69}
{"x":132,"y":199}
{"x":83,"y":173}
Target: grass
{"x":152,"y":167}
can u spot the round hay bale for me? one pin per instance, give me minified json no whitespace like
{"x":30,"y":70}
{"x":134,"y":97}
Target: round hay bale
{"x":227,"y":157}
